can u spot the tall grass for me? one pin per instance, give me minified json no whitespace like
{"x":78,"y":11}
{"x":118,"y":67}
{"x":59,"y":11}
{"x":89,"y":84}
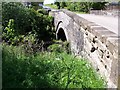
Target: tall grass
{"x":46,"y":70}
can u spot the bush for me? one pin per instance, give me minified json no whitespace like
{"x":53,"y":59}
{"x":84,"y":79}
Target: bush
{"x":27,"y":20}
{"x":17,"y":12}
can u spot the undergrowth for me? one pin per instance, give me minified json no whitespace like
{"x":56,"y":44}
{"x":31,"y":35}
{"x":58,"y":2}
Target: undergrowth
{"x":46,"y":70}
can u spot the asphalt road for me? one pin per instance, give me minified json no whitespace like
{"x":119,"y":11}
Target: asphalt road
{"x":111,"y":23}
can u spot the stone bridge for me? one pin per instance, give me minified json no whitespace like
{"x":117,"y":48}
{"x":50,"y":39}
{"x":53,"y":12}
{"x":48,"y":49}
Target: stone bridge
{"x":90,"y":41}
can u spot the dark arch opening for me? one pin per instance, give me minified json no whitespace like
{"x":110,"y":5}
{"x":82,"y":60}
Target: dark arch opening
{"x":61,"y":35}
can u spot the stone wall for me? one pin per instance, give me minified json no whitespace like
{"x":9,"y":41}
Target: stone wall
{"x":92,"y":42}
{"x":114,"y":13}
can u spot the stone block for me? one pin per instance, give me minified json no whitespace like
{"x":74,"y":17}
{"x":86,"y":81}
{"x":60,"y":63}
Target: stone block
{"x":114,"y":71}
{"x":90,"y":36}
{"x":112,"y":44}
{"x":101,"y":46}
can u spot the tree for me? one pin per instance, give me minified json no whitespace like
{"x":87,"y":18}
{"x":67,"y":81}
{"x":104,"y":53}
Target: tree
{"x":58,"y":4}
{"x":71,"y":6}
{"x":63,"y":4}
{"x":85,"y":6}
{"x":79,"y":6}
{"x":99,"y":5}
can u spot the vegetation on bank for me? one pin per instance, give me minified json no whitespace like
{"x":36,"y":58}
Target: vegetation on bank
{"x":30,"y":61}
{"x":55,"y":69}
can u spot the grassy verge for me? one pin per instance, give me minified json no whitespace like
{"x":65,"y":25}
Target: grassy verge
{"x":52,"y":6}
{"x":46,"y":70}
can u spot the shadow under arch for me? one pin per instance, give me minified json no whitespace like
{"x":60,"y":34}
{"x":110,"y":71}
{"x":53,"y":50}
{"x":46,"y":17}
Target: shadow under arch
{"x":61,"y":35}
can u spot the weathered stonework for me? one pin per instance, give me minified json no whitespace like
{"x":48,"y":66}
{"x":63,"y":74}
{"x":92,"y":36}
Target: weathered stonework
{"x":92,"y":42}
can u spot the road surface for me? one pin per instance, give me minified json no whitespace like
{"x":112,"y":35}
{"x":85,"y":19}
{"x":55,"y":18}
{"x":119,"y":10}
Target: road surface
{"x":111,"y":23}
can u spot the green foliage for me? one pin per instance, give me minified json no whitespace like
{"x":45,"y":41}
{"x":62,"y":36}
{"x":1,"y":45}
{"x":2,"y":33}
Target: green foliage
{"x":12,"y":38}
{"x":35,"y":5}
{"x":42,"y":11}
{"x":58,"y":4}
{"x":9,"y":30}
{"x":25,"y":67}
{"x":71,"y":6}
{"x":98,"y":5}
{"x":81,"y":6}
{"x":55,"y":47}
{"x":17,"y":12}
{"x":9,"y":34}
{"x":46,"y":70}
{"x":27,"y":20}
{"x":30,"y":43}
{"x":60,"y":47}
{"x":63,"y":4}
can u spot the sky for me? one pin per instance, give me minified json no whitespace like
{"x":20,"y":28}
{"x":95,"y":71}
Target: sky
{"x":48,"y":1}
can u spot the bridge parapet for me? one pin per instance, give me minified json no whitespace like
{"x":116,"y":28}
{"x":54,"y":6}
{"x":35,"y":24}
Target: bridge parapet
{"x":92,"y":42}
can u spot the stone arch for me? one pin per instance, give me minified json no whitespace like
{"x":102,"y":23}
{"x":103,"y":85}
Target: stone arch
{"x":61,"y":35}
{"x":58,"y":24}
{"x":61,"y":32}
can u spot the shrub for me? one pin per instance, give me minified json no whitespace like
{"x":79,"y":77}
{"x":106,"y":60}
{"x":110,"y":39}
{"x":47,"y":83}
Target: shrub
{"x":27,"y":20}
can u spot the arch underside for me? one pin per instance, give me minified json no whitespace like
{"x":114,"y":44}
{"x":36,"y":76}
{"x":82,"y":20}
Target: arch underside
{"x":61,"y":32}
{"x":61,"y":35}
